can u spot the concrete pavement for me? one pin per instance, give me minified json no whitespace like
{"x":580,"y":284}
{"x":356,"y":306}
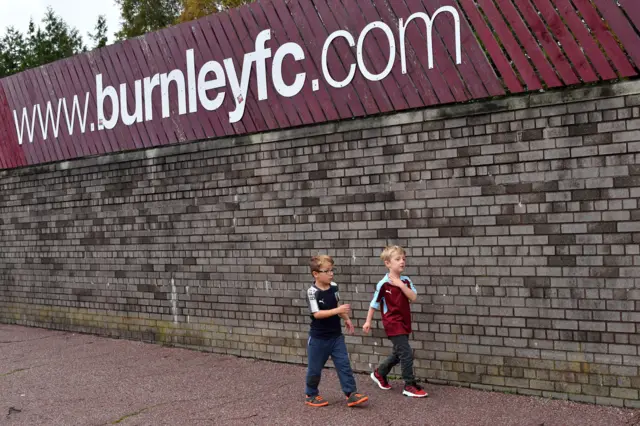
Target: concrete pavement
{"x":59,"y":378}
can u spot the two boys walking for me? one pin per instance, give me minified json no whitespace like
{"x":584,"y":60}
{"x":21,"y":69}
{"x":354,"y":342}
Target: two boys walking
{"x":392,"y":297}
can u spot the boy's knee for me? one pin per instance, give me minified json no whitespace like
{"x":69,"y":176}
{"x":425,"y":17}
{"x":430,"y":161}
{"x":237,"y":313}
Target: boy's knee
{"x":406,"y":354}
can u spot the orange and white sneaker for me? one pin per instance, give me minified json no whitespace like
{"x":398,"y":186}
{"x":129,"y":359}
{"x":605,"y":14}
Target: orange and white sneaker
{"x":316,"y":401}
{"x":414,"y":391}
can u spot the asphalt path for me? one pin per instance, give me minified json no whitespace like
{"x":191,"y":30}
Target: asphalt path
{"x":59,"y":378}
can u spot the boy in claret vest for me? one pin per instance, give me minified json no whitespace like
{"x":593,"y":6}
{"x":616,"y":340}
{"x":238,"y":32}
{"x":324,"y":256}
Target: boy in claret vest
{"x":393,"y":295}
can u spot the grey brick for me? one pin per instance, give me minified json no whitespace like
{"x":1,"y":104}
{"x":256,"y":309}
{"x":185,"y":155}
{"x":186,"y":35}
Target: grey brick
{"x":631,"y":136}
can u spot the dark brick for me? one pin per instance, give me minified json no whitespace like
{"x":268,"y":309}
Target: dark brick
{"x":450,"y":232}
{"x":392,"y":149}
{"x":310,"y":201}
{"x":562,"y":240}
{"x":518,"y":188}
{"x":611,"y":272}
{"x":626,"y":181}
{"x":433,"y":125}
{"x":602,"y":227}
{"x":146,"y":288}
{"x":586,"y":194}
{"x":537,"y":282}
{"x":385,"y":196}
{"x":548,"y":229}
{"x":458,"y":162}
{"x":532,"y":135}
{"x":318,"y":174}
{"x":561,"y":260}
{"x":534,"y":218}
{"x":535,"y":197}
{"x":583,"y":129}
{"x":509,"y":220}
{"x":618,"y":261}
{"x":599,"y":139}
{"x":493,"y":190}
{"x":160,"y":296}
{"x":482,"y":180}
{"x":469,"y":151}
{"x":81,"y":292}
{"x":478,"y":120}
{"x":387,"y":233}
{"x":504,"y":137}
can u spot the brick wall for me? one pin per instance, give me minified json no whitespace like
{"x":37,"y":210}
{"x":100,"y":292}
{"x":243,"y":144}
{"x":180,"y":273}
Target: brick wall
{"x":520,"y":217}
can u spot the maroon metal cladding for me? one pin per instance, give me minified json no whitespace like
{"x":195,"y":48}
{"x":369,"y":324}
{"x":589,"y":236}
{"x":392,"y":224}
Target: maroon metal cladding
{"x":585,"y":39}
{"x":488,"y":38}
{"x":631,"y":9}
{"x":625,"y":31}
{"x":550,"y":46}
{"x":317,"y":61}
{"x":563,"y":35}
{"x":604,"y":38}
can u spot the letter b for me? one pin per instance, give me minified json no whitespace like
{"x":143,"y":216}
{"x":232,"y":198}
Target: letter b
{"x":101,"y":95}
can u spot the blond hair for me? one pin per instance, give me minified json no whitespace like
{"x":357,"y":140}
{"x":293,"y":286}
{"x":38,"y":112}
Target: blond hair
{"x":389,"y":251}
{"x":317,"y":262}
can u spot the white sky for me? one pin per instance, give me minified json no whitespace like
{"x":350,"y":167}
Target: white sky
{"x":81,"y":14}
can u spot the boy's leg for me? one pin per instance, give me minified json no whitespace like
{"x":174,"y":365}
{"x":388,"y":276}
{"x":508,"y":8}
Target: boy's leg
{"x":392,"y":360}
{"x":405,"y":354}
{"x":411,"y":387}
{"x":318,"y":352}
{"x":340,"y":358}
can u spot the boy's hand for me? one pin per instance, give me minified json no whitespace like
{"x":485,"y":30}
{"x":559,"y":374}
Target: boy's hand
{"x":396,"y":282}
{"x":349,"y":326}
{"x":366,"y":327}
{"x":344,"y":309}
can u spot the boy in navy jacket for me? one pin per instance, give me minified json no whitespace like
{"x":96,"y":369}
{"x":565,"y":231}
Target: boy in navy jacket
{"x":325,"y":335}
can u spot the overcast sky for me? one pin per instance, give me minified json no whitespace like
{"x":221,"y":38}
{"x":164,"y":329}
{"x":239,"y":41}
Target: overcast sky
{"x":81,"y":14}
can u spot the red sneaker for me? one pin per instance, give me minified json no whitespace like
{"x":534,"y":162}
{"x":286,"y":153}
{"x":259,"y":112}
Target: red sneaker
{"x":380,"y":381}
{"x":414,"y":391}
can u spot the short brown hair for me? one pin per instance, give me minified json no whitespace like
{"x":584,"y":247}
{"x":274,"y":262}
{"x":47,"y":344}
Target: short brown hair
{"x":390,"y":251}
{"x":317,"y":262}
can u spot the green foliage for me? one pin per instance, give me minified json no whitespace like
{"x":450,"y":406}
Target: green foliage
{"x":50,"y":41}
{"x":99,"y":36}
{"x":54,"y":39}
{"x":139,"y":17}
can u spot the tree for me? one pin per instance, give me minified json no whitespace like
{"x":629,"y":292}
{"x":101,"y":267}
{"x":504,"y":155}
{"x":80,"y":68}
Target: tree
{"x":53,"y":40}
{"x":99,"y":37}
{"x":195,"y":9}
{"x":139,"y":17}
{"x":13,"y":52}
{"x":230,"y":4}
